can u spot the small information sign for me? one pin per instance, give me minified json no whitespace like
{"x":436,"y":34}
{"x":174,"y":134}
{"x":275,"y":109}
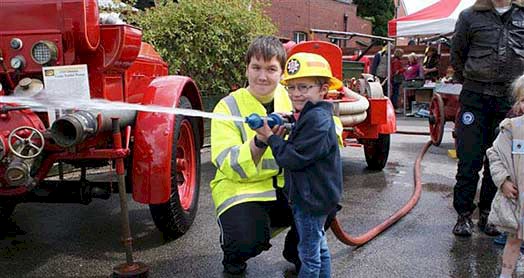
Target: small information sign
{"x":66,"y":82}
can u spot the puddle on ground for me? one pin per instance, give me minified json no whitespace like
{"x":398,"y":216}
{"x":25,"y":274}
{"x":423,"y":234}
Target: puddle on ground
{"x":436,"y":187}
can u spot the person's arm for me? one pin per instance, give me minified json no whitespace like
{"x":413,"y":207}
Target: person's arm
{"x":499,"y":169}
{"x":374,"y":65}
{"x":310,"y":143}
{"x":420,"y":72}
{"x":400,"y":67}
{"x":460,"y":47}
{"x":257,"y":149}
{"x":435,"y":64}
{"x":259,"y":142}
{"x":229,"y":154}
{"x":431,"y":66}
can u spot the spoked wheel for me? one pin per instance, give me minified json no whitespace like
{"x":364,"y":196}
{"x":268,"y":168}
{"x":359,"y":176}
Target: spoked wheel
{"x":436,"y":119}
{"x":377,"y":151}
{"x":174,"y":217}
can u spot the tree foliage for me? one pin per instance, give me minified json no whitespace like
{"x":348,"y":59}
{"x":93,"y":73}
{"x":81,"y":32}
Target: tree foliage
{"x":205,"y":40}
{"x":378,"y":11}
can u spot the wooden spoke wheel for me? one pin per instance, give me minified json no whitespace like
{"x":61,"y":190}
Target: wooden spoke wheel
{"x":437,"y":119}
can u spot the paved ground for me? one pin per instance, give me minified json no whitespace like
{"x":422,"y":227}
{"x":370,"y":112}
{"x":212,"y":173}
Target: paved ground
{"x":69,"y":240}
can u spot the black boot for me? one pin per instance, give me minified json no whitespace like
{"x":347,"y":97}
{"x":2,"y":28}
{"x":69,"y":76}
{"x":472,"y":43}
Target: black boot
{"x":484,"y":226}
{"x":464,"y":226}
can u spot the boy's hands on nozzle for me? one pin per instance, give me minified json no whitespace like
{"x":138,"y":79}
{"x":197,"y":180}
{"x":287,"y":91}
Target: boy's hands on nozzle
{"x":265,"y":131}
{"x":509,"y":189}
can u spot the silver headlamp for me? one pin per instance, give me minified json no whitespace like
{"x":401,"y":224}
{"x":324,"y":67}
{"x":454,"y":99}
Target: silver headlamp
{"x":44,"y":52}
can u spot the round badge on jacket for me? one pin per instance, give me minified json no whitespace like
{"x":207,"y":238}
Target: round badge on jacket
{"x":468,"y":118}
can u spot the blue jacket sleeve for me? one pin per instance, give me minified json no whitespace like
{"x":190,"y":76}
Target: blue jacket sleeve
{"x":308,"y":145}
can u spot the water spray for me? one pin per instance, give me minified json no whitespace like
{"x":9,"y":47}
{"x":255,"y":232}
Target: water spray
{"x":45,"y":103}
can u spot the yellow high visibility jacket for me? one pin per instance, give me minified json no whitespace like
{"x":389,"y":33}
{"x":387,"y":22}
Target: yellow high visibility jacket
{"x":238,"y":179}
{"x":339,"y":128}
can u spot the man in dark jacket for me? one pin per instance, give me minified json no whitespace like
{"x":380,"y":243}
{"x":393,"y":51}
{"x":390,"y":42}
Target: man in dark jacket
{"x":487,"y":54}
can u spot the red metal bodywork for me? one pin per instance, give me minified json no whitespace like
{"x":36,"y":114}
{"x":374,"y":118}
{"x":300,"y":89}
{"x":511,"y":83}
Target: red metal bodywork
{"x":71,"y":24}
{"x":153,"y":135}
{"x":381,"y":114}
{"x":121,"y":68}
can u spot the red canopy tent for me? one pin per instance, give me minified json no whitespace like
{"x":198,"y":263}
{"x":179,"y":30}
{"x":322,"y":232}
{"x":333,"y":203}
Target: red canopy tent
{"x":438,"y":18}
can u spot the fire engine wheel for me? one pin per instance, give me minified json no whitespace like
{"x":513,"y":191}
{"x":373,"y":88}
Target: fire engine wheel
{"x":174,"y":217}
{"x":436,"y":119}
{"x":376,"y":151}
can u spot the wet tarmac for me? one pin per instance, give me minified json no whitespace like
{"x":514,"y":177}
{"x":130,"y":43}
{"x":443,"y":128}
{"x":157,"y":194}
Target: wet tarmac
{"x":70,"y":240}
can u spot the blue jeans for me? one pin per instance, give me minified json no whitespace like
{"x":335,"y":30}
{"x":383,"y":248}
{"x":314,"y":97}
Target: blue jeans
{"x":312,"y":246}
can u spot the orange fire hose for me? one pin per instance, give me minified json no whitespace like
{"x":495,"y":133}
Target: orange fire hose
{"x":369,"y":235}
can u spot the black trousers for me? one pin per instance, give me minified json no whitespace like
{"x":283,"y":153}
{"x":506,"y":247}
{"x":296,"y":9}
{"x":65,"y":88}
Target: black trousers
{"x":246,"y":229}
{"x":477,"y":121}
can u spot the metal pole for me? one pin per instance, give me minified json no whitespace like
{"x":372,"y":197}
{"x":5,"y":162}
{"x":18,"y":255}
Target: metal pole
{"x":388,"y":68}
{"x":130,"y":268}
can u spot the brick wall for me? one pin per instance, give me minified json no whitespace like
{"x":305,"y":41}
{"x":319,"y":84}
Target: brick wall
{"x":301,"y":15}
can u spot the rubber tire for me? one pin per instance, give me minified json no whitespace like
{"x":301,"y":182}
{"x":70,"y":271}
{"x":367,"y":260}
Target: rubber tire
{"x":171,"y":218}
{"x":376,"y":151}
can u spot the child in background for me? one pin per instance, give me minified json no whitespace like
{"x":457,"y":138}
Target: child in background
{"x":507,"y":170}
{"x":310,"y":158}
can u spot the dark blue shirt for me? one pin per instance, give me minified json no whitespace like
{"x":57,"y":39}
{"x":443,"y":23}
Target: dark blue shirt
{"x":311,"y":160}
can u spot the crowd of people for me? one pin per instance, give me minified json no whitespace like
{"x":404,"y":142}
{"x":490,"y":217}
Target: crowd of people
{"x":405,"y":70}
{"x":274,"y":177}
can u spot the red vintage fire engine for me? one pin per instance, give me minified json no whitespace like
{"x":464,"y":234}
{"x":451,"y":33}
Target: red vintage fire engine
{"x":161,"y":152}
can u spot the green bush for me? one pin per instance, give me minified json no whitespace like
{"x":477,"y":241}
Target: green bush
{"x":206,"y":40}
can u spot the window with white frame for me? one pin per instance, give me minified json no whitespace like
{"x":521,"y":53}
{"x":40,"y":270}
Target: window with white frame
{"x":299,"y":37}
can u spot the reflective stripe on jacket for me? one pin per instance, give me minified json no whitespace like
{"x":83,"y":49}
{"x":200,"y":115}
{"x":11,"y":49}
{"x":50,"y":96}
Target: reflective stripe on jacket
{"x":339,"y":129}
{"x":238,"y":179}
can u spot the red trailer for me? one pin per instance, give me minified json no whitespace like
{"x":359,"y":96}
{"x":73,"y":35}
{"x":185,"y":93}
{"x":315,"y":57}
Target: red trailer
{"x":161,"y":152}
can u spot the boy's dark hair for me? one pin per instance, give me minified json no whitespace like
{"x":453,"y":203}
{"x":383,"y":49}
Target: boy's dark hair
{"x":322,"y":80}
{"x":266,"y":47}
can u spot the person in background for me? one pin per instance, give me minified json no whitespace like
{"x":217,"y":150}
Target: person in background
{"x":397,"y":75}
{"x":310,"y":158}
{"x":507,"y":170}
{"x":376,"y":68}
{"x":430,"y":66}
{"x":486,"y":54}
{"x":364,"y":59}
{"x":413,"y":69}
